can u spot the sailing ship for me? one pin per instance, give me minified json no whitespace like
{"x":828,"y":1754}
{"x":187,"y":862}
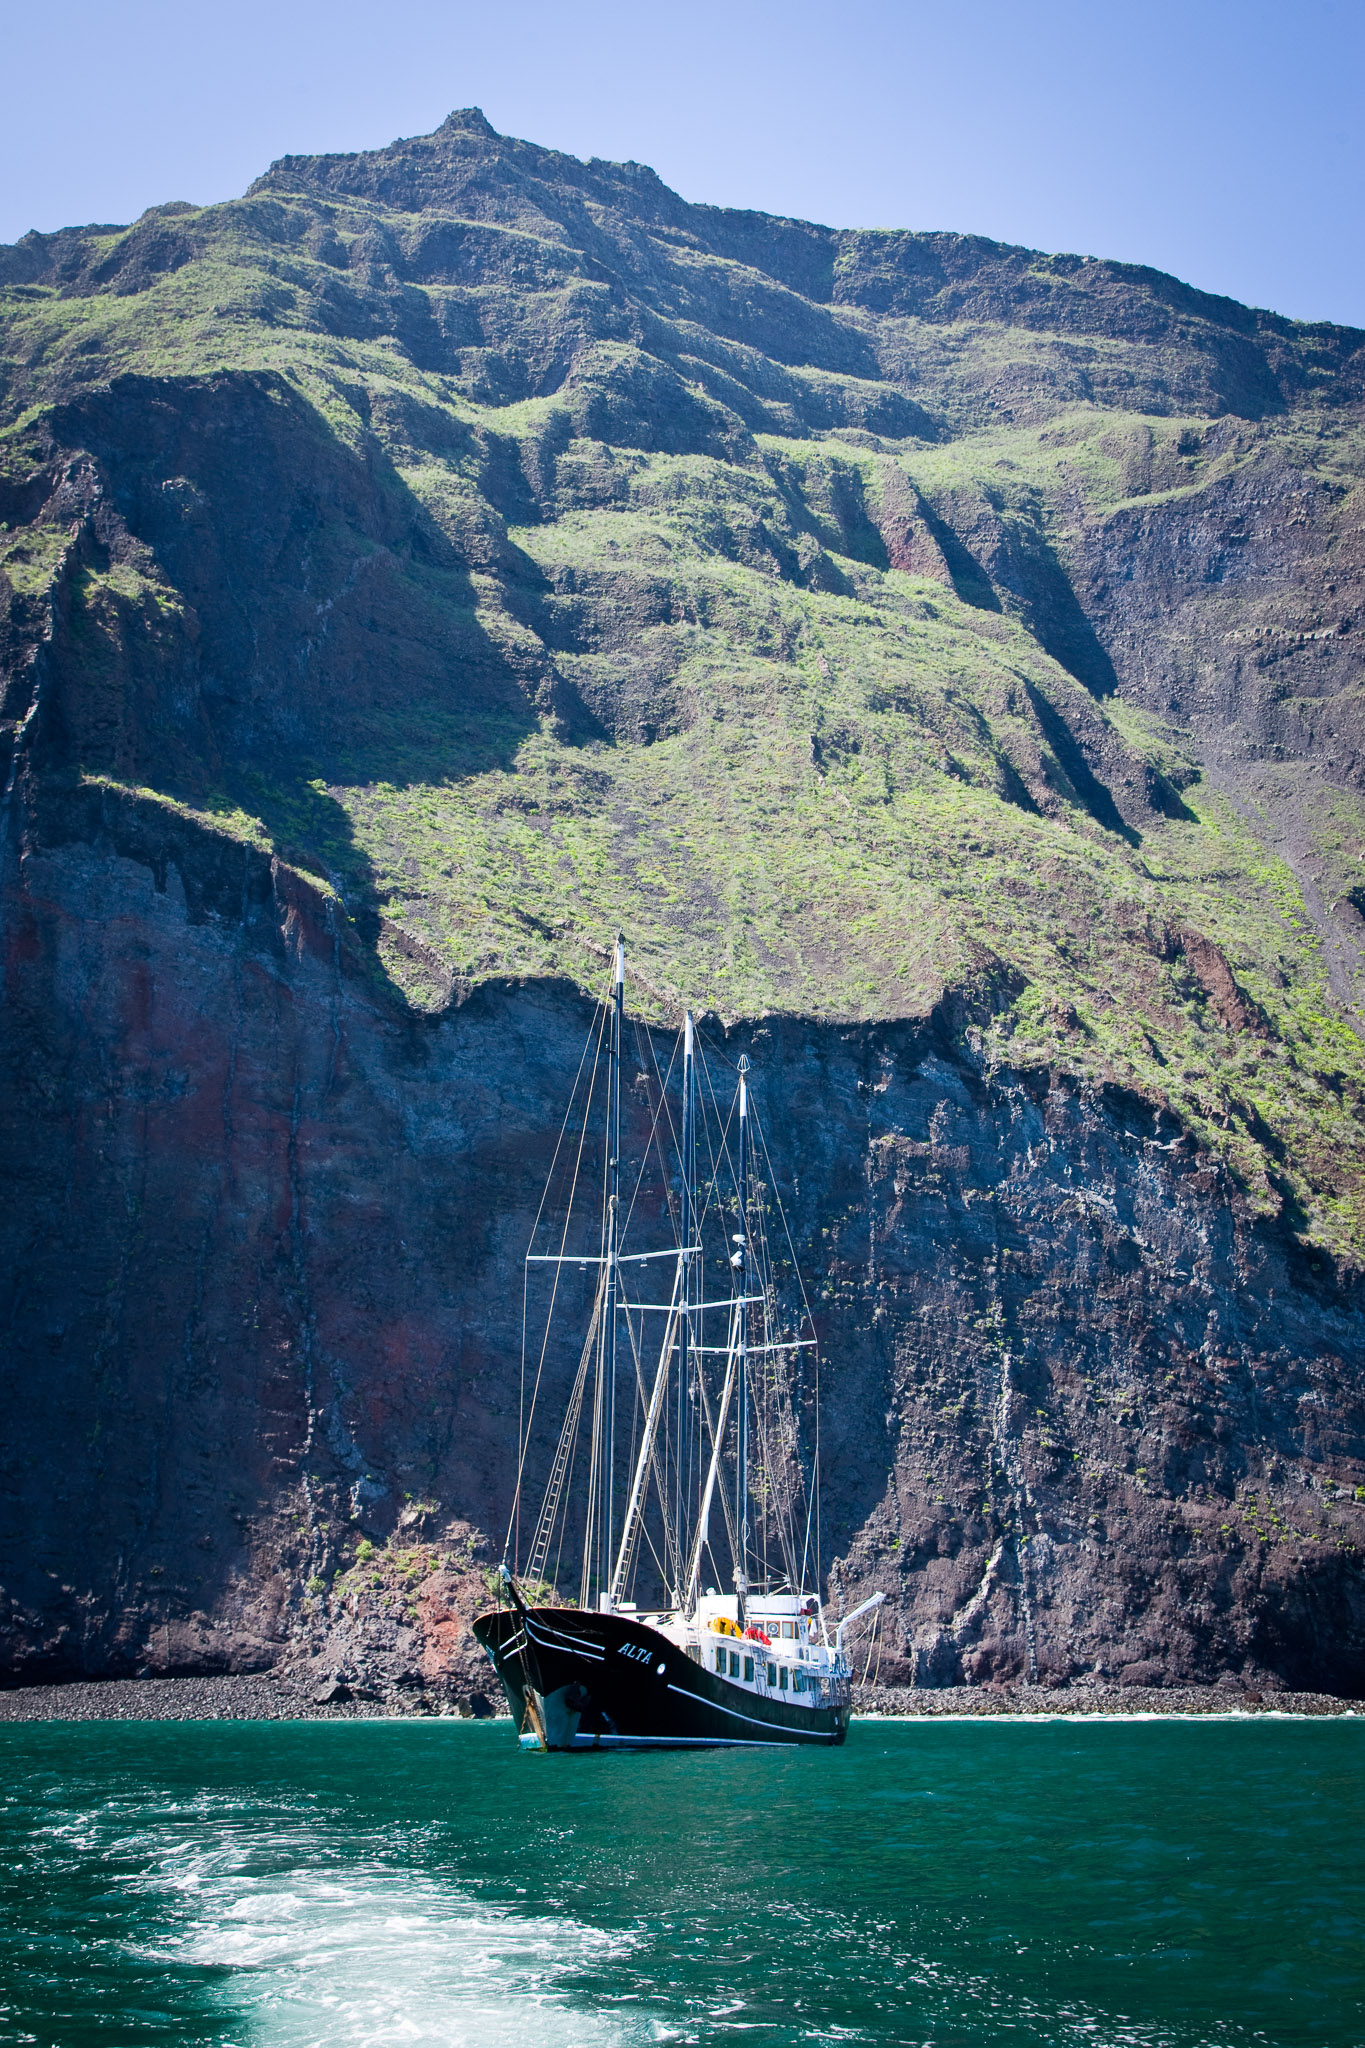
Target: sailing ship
{"x":700,"y":1471}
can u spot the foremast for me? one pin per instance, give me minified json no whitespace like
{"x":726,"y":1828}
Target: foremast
{"x":674,"y":1338}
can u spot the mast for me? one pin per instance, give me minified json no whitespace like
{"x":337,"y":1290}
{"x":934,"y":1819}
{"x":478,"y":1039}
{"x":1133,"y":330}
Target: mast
{"x":689,"y":1177}
{"x":740,"y":1265}
{"x":609,"y":1306}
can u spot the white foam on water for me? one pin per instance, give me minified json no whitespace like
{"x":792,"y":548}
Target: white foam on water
{"x":373,"y":1955}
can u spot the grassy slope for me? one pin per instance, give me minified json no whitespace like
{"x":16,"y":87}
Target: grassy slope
{"x":831,"y":813}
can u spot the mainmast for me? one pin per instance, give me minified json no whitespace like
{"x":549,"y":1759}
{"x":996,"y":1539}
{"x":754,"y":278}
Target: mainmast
{"x":609,"y":1305}
{"x":683,"y":1436}
{"x":740,"y":1265}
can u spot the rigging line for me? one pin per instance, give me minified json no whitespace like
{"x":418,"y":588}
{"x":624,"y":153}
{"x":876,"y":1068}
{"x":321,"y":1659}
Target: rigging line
{"x":716,"y":1199}
{"x":564,"y":1524}
{"x":634,"y":1425}
{"x":779,"y":1515}
{"x":595,"y":1026}
{"x":812,"y":1490}
{"x":554,"y":1489}
{"x":633,"y":1563}
{"x":744,"y":1236}
{"x":672,"y":1539}
{"x":704,"y":1196}
{"x":718,"y":1050}
{"x":637,"y":1510}
{"x":601,"y":1027}
{"x":813,"y":1516}
{"x":651,"y":1140}
{"x":720,"y":1469}
{"x":674,"y":1137}
{"x":663,"y":1080}
{"x":871,"y":1646}
{"x":724,"y":1122}
{"x":637,"y":1526}
{"x":666,"y":1114}
{"x":776,"y":1389}
{"x":774,"y":1414}
{"x":659,"y":1479}
{"x":658,"y":1465}
{"x":592,"y":1506}
{"x":792,"y":1493}
{"x":786,"y":1227}
{"x":526,"y":1419}
{"x":594,"y":1510}
{"x":660,"y":1566}
{"x":776,"y":1515}
{"x":715,"y":1564}
{"x":712,"y":1198}
{"x":723,"y":1159}
{"x":513,"y":1520}
{"x":713,"y":1184}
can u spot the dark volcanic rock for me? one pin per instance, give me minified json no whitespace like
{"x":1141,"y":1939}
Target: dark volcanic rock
{"x":1084,"y":1412}
{"x":888,"y":1702}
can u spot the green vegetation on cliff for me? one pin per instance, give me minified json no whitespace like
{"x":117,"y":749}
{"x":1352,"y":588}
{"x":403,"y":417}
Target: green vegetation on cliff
{"x":856,"y":619}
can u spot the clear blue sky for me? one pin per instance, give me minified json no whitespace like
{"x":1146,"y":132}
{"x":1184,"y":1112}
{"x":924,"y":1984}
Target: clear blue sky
{"x":1220,"y":141}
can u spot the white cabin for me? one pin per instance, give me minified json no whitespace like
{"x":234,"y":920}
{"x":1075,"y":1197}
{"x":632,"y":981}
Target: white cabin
{"x":784,"y":1653}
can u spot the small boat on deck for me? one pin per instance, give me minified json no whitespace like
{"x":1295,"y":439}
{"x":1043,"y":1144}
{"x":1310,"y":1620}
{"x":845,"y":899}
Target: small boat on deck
{"x":702,"y":1469}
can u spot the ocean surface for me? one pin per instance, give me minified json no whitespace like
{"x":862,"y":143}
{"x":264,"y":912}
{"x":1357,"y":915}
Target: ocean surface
{"x":970,"y":1882}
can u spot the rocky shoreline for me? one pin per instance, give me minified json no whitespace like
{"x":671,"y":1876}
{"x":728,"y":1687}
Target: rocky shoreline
{"x":903,"y":1702}
{"x":264,"y":1697}
{"x":258,"y":1697}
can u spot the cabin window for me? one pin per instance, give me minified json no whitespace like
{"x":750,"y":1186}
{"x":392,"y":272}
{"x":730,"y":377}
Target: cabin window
{"x":782,"y":1679}
{"x":798,"y":1681}
{"x":748,"y":1670}
{"x":720,"y":1662}
{"x":734,"y":1664}
{"x":789,"y":1630}
{"x":772,"y":1674}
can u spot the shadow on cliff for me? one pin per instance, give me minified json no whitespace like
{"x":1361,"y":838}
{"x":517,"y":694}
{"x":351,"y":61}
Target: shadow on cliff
{"x":254,"y":614}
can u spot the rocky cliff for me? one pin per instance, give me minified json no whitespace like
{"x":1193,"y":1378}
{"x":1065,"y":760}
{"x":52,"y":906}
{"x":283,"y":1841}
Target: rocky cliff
{"x":939,"y":656}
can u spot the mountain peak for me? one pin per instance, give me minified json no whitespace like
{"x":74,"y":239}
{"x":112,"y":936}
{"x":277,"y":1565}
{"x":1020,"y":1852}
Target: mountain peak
{"x":468,"y":121}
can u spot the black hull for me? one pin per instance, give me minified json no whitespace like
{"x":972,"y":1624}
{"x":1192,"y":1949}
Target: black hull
{"x":579,"y":1680}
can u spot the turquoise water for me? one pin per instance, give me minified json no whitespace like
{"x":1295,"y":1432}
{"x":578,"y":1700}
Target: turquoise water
{"x":376,"y":1883}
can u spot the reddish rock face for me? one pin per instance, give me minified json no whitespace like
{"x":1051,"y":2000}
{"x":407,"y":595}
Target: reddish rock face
{"x":262,"y":1377}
